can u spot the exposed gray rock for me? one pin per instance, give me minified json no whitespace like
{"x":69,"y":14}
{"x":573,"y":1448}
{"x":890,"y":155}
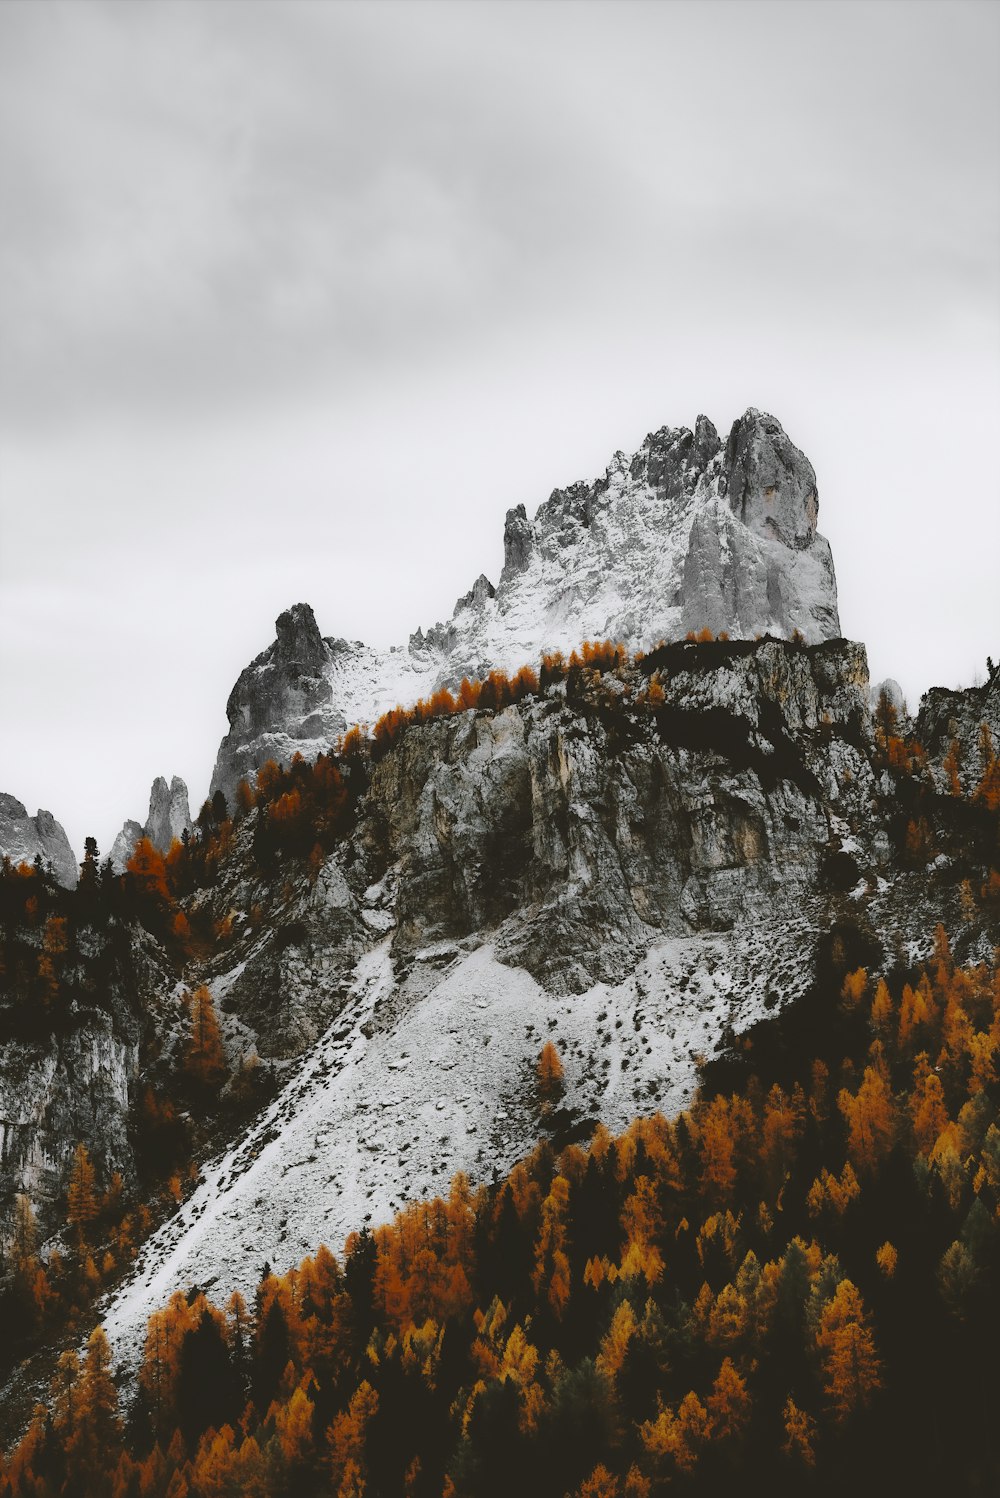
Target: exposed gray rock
{"x":168,"y":819}
{"x":770,"y":484}
{"x":706,"y":441}
{"x":283,"y":701}
{"x":169,"y":815}
{"x":948,"y":716}
{"x":518,"y":540}
{"x":481,"y":592}
{"x":124,"y":844}
{"x":73,"y":1089}
{"x":23,"y":837}
{"x":580,"y":855}
{"x":746,"y":582}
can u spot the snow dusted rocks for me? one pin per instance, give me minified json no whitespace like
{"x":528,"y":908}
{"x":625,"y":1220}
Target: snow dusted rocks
{"x":685,"y":535}
{"x":22,"y":838}
{"x":169,"y":818}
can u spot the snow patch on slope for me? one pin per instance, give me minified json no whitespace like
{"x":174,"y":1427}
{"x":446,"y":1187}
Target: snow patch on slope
{"x":399,"y":1093}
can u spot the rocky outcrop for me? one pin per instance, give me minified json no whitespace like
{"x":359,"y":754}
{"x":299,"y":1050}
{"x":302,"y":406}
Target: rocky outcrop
{"x":72,"y":1089}
{"x":169,"y":818}
{"x":518,"y":541}
{"x":24,"y":838}
{"x":282,"y":702}
{"x":968,"y":717}
{"x":124,"y":844}
{"x":169,"y":815}
{"x":582,"y":843}
{"x":770,"y":485}
{"x":687,"y":534}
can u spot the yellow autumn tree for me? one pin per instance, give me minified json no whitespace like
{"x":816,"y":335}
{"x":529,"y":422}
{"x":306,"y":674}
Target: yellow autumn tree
{"x":96,"y":1440}
{"x":550,"y":1074}
{"x":205,"y":1061}
{"x":729,"y":1403}
{"x":800,"y":1434}
{"x":81,"y":1196}
{"x":870,"y":1118}
{"x":346,"y":1441}
{"x":852,"y":1371}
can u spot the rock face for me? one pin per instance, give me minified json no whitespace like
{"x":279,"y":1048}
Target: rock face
{"x":75,"y":1088}
{"x":169,"y":818}
{"x":282,"y":702}
{"x":22,"y":838}
{"x":960,"y":716}
{"x":124,"y":844}
{"x":582,"y":845}
{"x":169,"y":815}
{"x":687,"y":534}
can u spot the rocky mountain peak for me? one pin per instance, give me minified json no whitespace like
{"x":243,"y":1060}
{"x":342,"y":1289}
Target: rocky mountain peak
{"x":23,"y":838}
{"x":686,"y":534}
{"x":706,"y":441}
{"x":298,"y":638}
{"x":169,"y":813}
{"x":481,"y":592}
{"x":169,"y":818}
{"x":518,"y":539}
{"x":770,"y":484}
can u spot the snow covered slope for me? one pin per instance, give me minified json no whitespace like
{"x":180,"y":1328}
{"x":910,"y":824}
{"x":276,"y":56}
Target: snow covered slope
{"x":411,"y":1084}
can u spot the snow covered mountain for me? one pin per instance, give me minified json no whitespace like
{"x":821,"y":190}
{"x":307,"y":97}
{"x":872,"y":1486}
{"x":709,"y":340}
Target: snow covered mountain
{"x":688,"y":534}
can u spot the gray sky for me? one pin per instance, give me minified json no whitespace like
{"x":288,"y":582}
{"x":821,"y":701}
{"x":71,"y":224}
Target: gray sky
{"x":297,"y":299}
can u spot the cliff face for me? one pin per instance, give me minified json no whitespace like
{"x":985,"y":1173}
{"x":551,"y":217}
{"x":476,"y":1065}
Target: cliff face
{"x":71,"y":1054}
{"x":22,"y":838}
{"x":73,"y":1089}
{"x":582,"y":833}
{"x":283,"y":703}
{"x":948,"y":717}
{"x":687,"y":534}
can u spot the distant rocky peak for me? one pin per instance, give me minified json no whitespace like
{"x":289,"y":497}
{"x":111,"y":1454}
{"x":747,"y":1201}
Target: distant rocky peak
{"x":168,"y":820}
{"x":169,"y":814}
{"x":481,"y":591}
{"x":298,"y":638}
{"x":518,"y":542}
{"x":23,"y":838}
{"x":706,"y":443}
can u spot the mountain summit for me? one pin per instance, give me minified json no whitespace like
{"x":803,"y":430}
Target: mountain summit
{"x":688,"y":534}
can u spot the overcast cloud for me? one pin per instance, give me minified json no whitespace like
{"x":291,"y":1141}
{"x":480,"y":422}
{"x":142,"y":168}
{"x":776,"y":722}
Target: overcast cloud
{"x":296,"y":299}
